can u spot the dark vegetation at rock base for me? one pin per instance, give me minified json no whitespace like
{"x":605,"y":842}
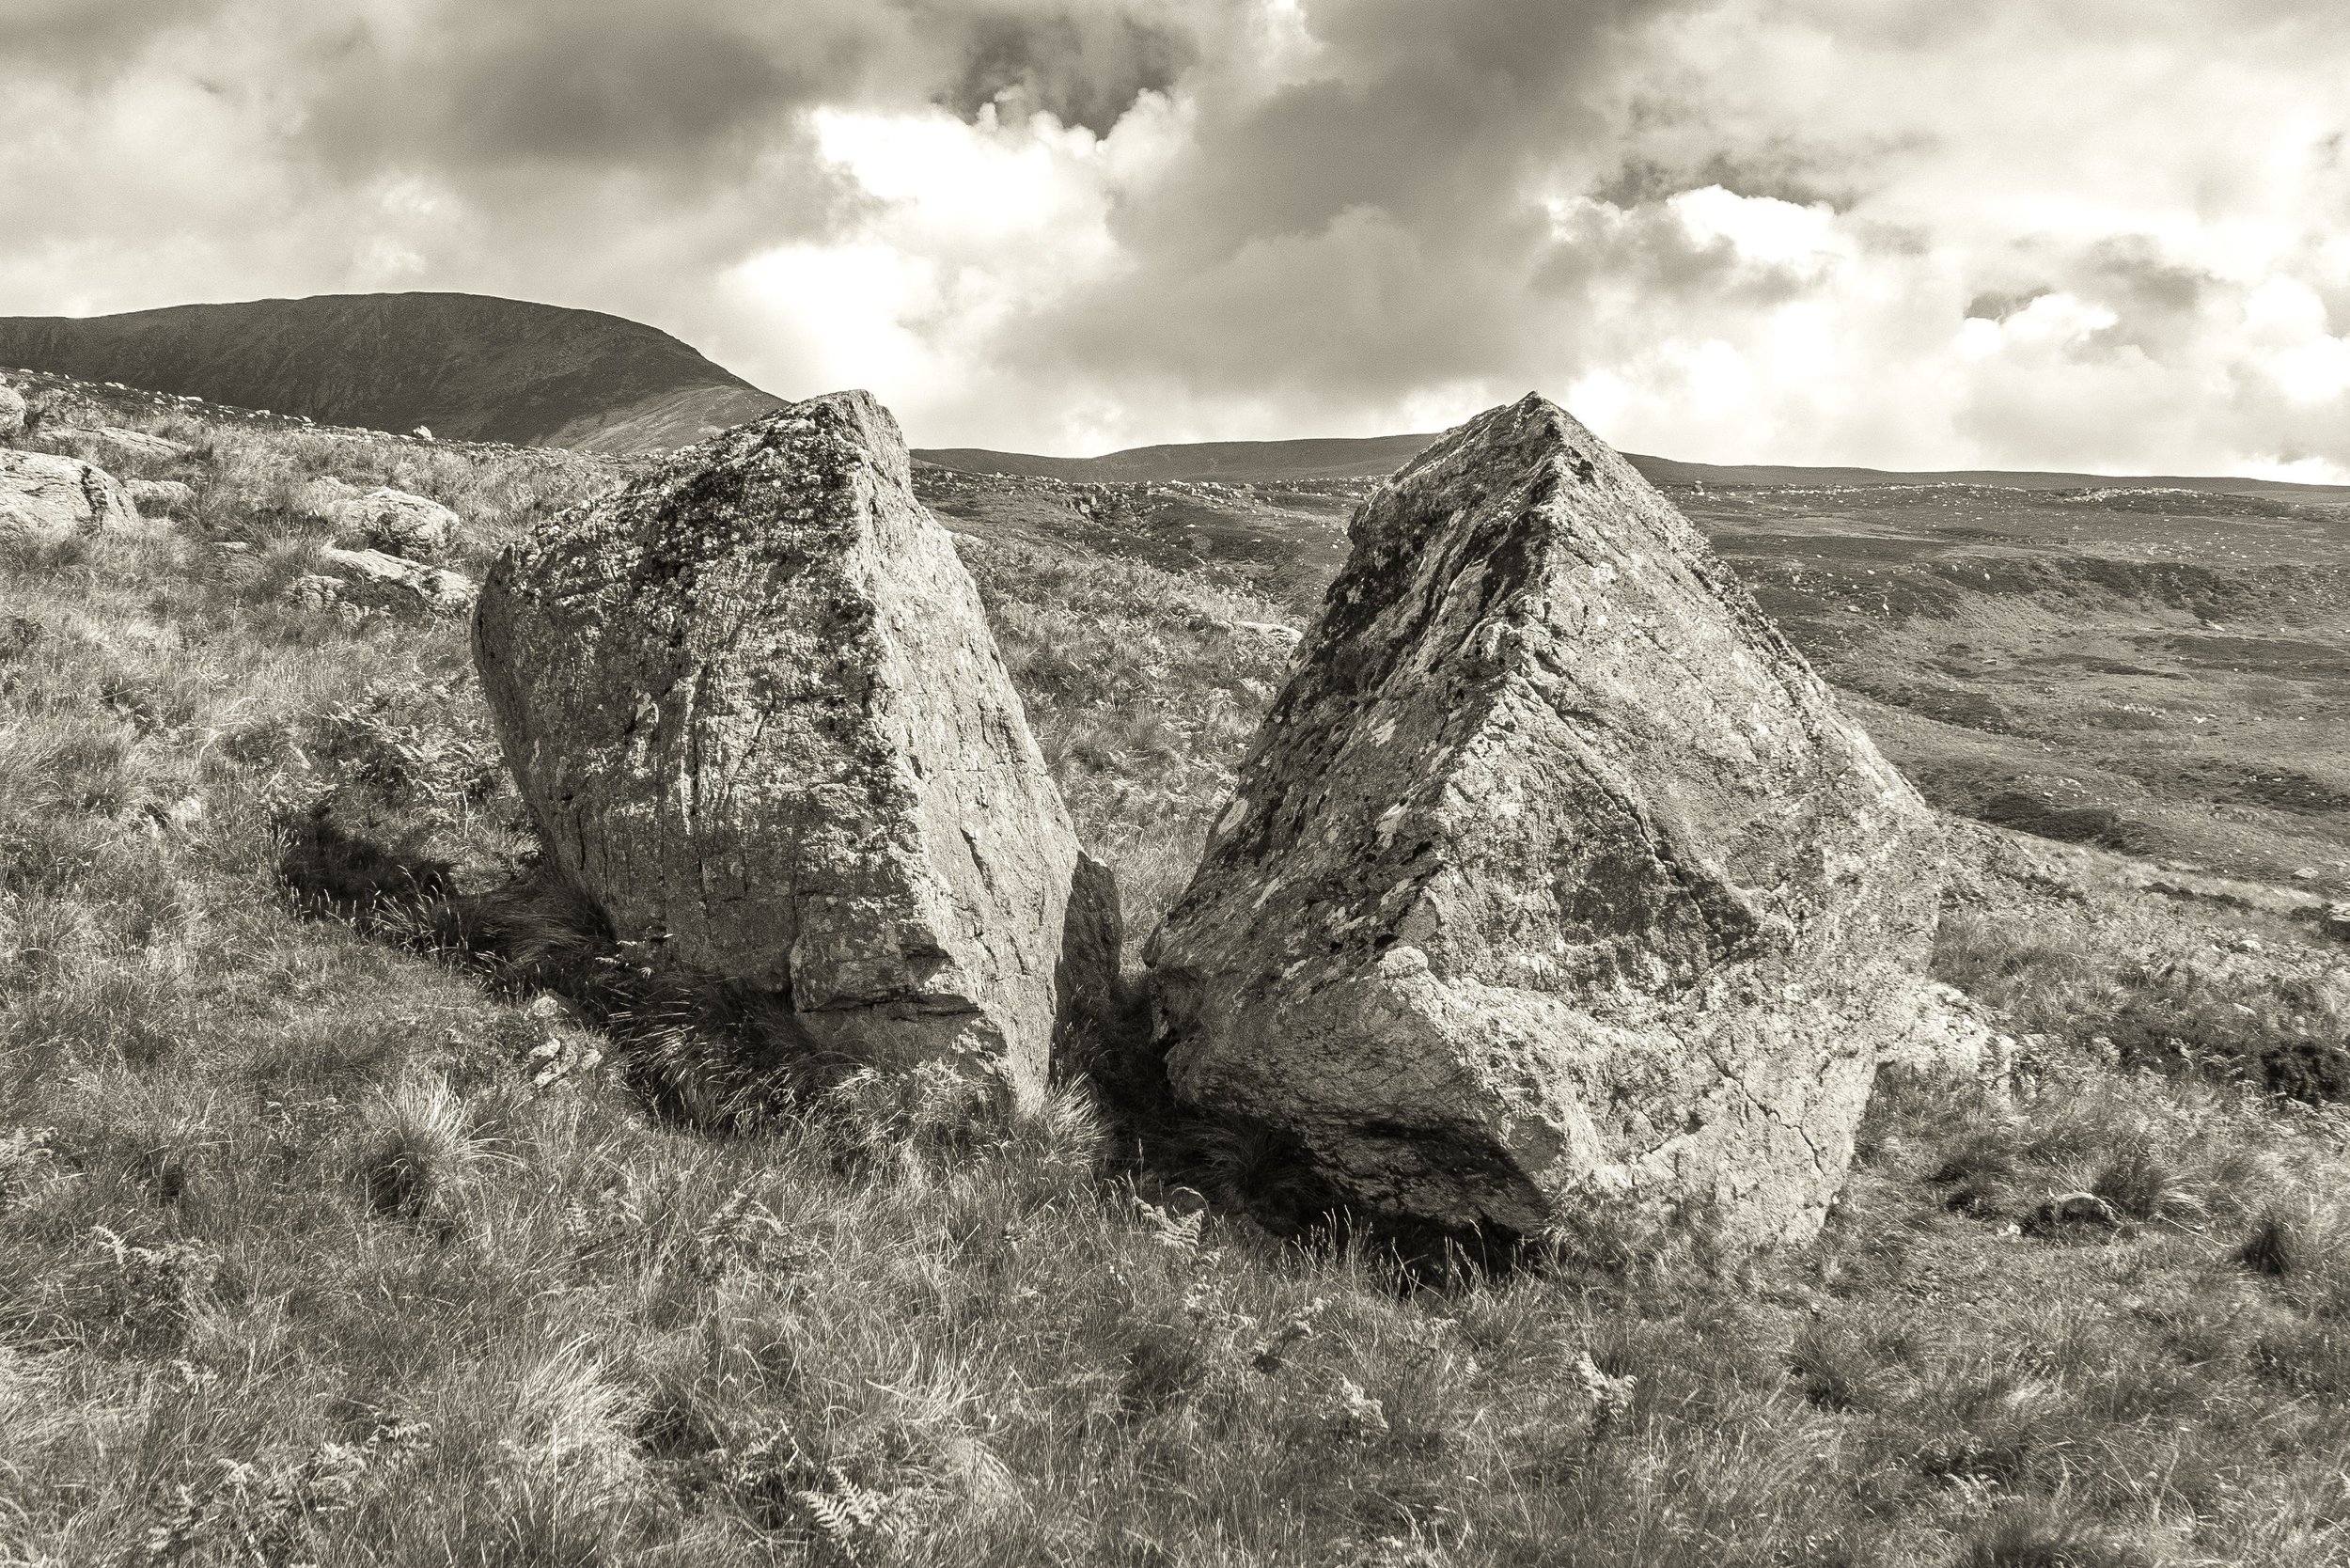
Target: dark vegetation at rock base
{"x":339,"y":1240}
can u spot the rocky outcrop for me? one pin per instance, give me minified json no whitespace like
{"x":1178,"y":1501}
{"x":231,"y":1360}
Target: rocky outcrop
{"x":11,"y":413}
{"x":45,"y":497}
{"x":754,"y":704}
{"x":372,"y":579}
{"x":1557,"y":893}
{"x":110,"y":443}
{"x":394,"y":522}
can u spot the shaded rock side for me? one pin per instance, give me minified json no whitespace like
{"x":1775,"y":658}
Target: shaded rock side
{"x":755,"y":704}
{"x":45,"y":497}
{"x":1555,"y":891}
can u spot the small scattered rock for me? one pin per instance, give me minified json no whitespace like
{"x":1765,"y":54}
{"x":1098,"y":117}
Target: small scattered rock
{"x":2335,"y":923}
{"x":315,"y":590}
{"x":446,"y":592}
{"x":549,"y":1008}
{"x":1288,"y":636}
{"x":2075,"y":1208}
{"x":395,"y":522}
{"x":1952,"y":1039}
{"x":422,"y":432}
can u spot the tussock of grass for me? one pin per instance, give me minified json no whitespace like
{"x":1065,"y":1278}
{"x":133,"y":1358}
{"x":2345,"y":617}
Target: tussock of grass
{"x":338,"y":1240}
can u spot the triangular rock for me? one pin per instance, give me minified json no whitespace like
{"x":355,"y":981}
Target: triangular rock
{"x":754,"y":702}
{"x":1556,"y":892}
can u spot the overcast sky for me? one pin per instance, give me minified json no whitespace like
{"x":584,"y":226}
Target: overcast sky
{"x":2099,"y":234}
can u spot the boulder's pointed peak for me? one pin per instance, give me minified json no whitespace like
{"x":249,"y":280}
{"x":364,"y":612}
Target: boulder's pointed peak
{"x":855,"y":415}
{"x":1532,"y":430}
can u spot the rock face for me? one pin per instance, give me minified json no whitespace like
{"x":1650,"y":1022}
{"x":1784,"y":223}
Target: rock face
{"x":755,"y":706}
{"x":44,"y":497}
{"x":394,"y":522}
{"x":1556,"y":892}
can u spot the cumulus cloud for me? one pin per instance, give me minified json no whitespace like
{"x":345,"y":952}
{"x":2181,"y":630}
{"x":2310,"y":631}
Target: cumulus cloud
{"x":2104,"y":233}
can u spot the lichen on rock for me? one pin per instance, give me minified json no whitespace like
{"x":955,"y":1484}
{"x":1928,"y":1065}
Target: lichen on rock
{"x":1555,"y":886}
{"x":753,"y":703}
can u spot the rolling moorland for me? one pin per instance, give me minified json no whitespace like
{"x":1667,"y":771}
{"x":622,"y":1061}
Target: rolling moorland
{"x":334,"y":1231}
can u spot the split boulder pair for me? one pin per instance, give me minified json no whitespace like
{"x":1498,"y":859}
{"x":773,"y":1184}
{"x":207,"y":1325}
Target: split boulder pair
{"x":1556,"y":885}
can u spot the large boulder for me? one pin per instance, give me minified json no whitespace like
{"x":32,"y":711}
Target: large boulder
{"x":45,"y":497}
{"x":12,"y":412}
{"x":754,"y":704}
{"x":1556,"y":896}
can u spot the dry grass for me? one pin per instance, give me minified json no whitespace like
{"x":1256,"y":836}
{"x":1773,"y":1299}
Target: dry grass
{"x":2175,"y":988}
{"x":317,"y":1249}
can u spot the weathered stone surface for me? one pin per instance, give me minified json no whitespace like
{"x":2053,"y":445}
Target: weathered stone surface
{"x":108,"y":442}
{"x":753,"y":703}
{"x":11,"y":413}
{"x":1950,"y":1038}
{"x":160,"y":497}
{"x":45,"y":497}
{"x":1556,"y":891}
{"x":373,"y":573}
{"x":394,"y":522}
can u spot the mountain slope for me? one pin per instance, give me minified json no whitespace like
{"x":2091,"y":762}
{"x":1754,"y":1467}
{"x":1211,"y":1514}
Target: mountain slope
{"x":468,"y":365}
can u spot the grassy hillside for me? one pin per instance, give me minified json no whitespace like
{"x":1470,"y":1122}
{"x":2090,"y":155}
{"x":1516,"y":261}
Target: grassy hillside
{"x":2150,"y":669}
{"x":328,"y":1235}
{"x":467,"y":366}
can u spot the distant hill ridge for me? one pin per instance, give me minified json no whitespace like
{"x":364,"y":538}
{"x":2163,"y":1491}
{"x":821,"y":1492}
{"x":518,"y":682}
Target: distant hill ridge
{"x":469,"y":366}
{"x":1375,"y":457}
{"x":478,"y":368}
